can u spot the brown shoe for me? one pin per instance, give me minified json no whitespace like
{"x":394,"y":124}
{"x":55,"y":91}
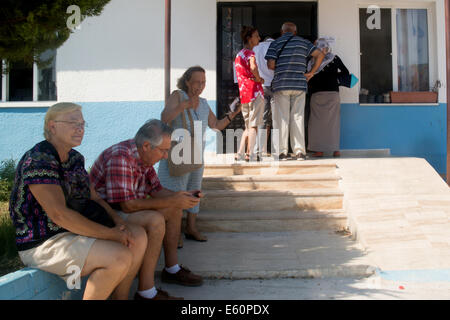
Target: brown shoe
{"x":160,"y":295}
{"x":183,"y":277}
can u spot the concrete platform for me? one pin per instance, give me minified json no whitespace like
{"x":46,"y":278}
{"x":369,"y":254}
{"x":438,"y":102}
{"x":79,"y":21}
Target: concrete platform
{"x":399,"y":210}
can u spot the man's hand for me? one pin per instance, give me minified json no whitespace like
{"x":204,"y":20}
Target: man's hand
{"x":184,"y":200}
{"x":197,"y":193}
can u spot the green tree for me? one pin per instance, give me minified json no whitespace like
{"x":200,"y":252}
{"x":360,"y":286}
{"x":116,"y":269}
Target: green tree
{"x":29,"y":28}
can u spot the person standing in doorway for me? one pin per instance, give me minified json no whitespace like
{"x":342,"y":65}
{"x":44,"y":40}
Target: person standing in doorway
{"x":250,"y":90}
{"x":287,"y":56}
{"x":267,"y":74}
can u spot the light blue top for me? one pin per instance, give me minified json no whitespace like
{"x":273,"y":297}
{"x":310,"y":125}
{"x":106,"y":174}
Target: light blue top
{"x":201,"y":114}
{"x":191,"y":180}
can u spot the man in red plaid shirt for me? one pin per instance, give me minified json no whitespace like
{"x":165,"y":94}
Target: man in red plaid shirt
{"x":123,"y":175}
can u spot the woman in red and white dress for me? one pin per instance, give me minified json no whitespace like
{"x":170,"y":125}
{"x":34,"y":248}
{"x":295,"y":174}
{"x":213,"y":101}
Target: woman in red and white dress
{"x":251,"y":92}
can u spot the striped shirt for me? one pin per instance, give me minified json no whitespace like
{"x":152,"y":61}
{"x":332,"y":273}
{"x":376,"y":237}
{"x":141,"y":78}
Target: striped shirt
{"x":291,"y":63}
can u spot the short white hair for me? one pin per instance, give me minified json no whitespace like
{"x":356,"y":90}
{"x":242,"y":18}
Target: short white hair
{"x":289,"y":27}
{"x":55,"y":110}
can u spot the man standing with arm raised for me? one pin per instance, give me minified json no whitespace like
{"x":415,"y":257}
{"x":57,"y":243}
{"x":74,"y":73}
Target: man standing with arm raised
{"x":287,"y":56}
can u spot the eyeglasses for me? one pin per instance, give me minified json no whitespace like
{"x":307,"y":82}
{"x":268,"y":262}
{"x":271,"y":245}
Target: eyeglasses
{"x":163,"y":150}
{"x":74,"y":124}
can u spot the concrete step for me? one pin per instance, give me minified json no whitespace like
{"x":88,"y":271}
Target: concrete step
{"x":275,"y":182}
{"x":270,"y":221}
{"x":269,"y":168}
{"x":307,"y":199}
{"x":271,"y":255}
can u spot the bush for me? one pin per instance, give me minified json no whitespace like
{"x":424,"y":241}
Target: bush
{"x":7,"y":234}
{"x":7,"y":173}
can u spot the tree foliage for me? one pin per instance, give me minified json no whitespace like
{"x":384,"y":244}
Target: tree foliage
{"x":29,"y":28}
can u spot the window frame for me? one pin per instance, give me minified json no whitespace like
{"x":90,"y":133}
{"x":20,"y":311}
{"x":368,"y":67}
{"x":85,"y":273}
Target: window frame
{"x":4,"y":82}
{"x":432,"y":40}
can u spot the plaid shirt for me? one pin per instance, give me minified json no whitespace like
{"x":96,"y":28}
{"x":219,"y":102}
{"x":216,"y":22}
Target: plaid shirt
{"x":118,"y":175}
{"x":291,"y":64}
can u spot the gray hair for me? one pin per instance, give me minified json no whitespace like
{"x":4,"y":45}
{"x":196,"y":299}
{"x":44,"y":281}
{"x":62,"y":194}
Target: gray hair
{"x":289,"y":27}
{"x":152,"y":131}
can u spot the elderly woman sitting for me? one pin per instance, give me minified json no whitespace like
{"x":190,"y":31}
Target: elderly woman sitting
{"x":51,"y":236}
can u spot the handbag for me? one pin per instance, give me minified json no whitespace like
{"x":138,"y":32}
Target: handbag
{"x":180,"y":169}
{"x":92,"y":210}
{"x":86,"y":207}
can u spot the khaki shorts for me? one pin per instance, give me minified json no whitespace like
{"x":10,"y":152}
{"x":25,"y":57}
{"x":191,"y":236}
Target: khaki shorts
{"x":253,"y":112}
{"x":59,"y":254}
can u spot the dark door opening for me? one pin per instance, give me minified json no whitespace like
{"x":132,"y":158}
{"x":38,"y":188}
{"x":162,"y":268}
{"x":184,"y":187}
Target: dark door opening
{"x":268,"y":18}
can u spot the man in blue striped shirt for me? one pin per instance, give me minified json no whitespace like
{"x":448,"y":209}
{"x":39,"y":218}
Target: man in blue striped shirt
{"x":288,"y":56}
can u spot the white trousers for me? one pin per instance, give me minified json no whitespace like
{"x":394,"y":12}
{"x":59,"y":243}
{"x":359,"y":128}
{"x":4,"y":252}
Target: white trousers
{"x":288,"y":118}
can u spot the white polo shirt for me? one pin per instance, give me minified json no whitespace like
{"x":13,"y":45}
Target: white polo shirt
{"x":260,"y":52}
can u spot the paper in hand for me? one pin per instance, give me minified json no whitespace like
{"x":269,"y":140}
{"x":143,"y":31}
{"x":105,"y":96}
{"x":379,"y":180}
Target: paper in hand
{"x":234,"y":104}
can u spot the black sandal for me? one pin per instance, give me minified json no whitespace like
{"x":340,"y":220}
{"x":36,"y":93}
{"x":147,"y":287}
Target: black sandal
{"x":191,"y":237}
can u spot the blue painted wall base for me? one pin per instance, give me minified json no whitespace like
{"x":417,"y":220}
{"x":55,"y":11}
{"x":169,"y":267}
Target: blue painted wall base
{"x":33,"y":284}
{"x":407,"y":130}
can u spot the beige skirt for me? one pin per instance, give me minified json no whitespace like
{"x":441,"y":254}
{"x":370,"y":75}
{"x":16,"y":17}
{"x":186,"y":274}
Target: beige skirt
{"x":324,"y":122}
{"x":62,"y":254}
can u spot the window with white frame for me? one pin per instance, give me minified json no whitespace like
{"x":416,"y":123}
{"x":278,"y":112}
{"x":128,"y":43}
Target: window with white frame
{"x":396,"y":49}
{"x":30,"y":83}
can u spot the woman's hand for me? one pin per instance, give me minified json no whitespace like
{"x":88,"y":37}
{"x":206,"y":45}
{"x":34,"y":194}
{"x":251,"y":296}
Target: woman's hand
{"x":194,"y":102}
{"x":309,"y":75}
{"x":123,"y":235}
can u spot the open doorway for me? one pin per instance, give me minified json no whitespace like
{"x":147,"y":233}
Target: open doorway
{"x":268,"y":18}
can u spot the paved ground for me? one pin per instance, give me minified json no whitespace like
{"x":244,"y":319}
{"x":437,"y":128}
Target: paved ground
{"x":399,"y":213}
{"x":372,"y":288}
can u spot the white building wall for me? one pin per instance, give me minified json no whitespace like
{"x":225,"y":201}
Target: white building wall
{"x":119,"y":56}
{"x":340,"y":19}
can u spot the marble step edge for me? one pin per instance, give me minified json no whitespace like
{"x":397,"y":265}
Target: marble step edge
{"x":213,"y":215}
{"x":273,"y":193}
{"x":274,"y":178}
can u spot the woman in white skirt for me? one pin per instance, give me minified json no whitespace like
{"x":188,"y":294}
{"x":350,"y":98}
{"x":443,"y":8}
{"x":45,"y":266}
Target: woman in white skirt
{"x":324,"y":119}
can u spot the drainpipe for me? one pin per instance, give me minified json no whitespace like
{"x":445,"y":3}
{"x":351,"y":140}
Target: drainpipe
{"x":447,"y":33}
{"x":168,"y":31}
